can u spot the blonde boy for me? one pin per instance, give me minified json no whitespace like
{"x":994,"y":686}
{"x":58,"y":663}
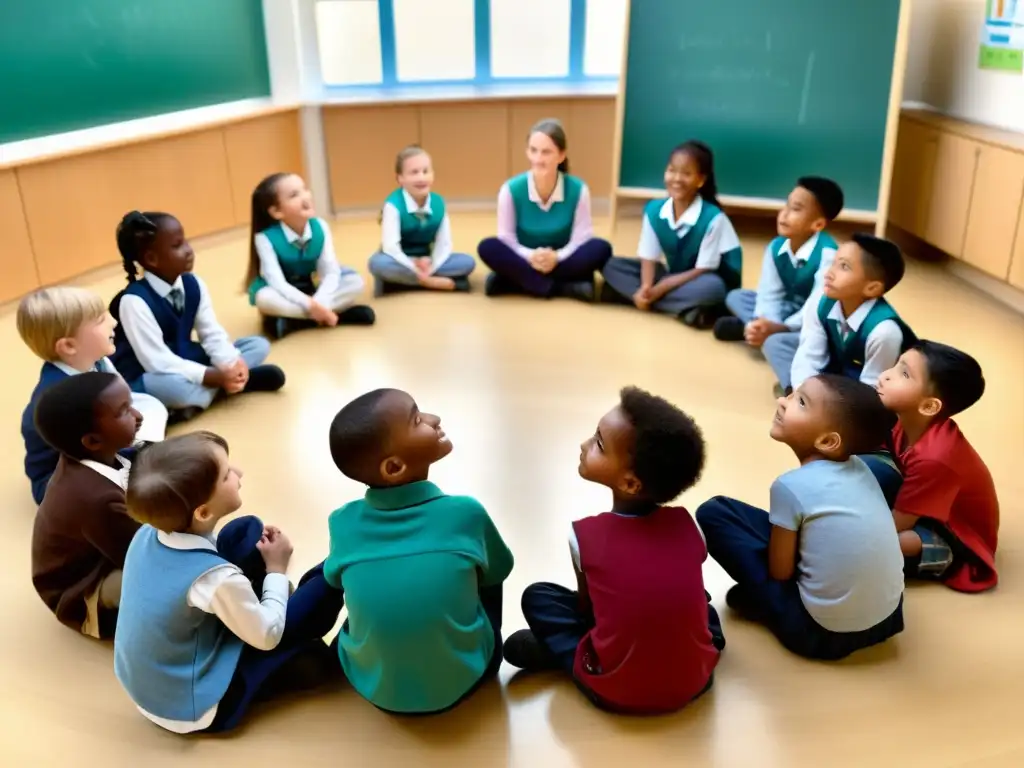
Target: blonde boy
{"x":72,"y":332}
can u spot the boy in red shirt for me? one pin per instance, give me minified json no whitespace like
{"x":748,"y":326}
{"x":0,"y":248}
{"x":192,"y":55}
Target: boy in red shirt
{"x":947,"y":513}
{"x":639,"y":636}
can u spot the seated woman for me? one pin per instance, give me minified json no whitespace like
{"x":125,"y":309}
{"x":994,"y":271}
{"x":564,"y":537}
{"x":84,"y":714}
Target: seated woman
{"x":545,"y":245}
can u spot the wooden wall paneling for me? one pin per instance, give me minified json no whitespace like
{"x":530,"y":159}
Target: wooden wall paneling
{"x":16,"y":258}
{"x":73,"y":205}
{"x":951,"y":189}
{"x":361,"y":146}
{"x":592,"y":122}
{"x":522,"y":114}
{"x":913,"y":170}
{"x":995,"y":210}
{"x":1016,"y":276}
{"x":469,"y":144}
{"x":257,"y":148}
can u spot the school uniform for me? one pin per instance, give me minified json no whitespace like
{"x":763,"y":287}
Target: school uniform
{"x":788,"y":280}
{"x":862,"y":346}
{"x":153,"y":338}
{"x":422,"y":574}
{"x":526,"y":223}
{"x":843,"y":597}
{"x":410,"y":230}
{"x":195,"y":644}
{"x":701,"y":238}
{"x":79,"y":541}
{"x":296,"y":269}
{"x":41,"y":458}
{"x":651,"y":640}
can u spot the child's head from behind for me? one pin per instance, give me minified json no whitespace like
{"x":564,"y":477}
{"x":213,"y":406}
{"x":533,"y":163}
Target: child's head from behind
{"x":691,"y":172}
{"x":810,"y":207}
{"x":282,"y":197}
{"x":67,"y":324}
{"x":382,"y":439}
{"x":156,"y":242}
{"x":184,"y":484}
{"x":414,"y":171}
{"x":832,"y":417}
{"x":546,"y":147}
{"x":864,"y":268}
{"x":932,"y":380}
{"x":644,"y":449}
{"x":88,"y":416}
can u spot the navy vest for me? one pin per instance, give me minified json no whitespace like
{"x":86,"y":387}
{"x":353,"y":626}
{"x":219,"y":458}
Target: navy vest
{"x":40,"y":458}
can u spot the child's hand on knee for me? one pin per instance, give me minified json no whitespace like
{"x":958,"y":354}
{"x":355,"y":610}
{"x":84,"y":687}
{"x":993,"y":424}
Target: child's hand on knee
{"x":322,"y":314}
{"x":276,"y":550}
{"x":641,"y":299}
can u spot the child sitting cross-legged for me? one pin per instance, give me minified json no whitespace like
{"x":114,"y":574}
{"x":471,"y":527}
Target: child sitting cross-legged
{"x":422,"y":571}
{"x":946,"y":510}
{"x":822,"y":568}
{"x":206,"y":625}
{"x":82,"y":529}
{"x":638,"y":634}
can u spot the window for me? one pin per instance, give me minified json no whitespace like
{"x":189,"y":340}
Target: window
{"x":530,"y":38}
{"x":435,"y":40}
{"x":348,"y":34}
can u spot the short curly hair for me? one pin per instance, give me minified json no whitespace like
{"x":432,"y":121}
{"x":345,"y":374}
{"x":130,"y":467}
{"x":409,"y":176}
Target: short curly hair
{"x":668,"y":451}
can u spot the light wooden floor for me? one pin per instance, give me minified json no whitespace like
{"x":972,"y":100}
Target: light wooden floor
{"x":519,"y":384}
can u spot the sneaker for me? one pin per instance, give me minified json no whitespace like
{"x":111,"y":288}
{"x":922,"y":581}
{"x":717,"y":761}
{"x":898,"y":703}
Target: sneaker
{"x":181,"y":415}
{"x":265,"y":378}
{"x":582,"y":290}
{"x":701,"y":318}
{"x":522,"y":649}
{"x":495,"y":286}
{"x":729,"y":329}
{"x":462,"y":285}
{"x":357,"y":315}
{"x":609,"y":295}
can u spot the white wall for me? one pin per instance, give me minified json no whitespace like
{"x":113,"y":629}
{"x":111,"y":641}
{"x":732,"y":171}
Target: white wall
{"x":942,"y":66}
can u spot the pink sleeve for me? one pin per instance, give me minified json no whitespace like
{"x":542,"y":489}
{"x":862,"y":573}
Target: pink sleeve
{"x":507,"y":223}
{"x":582,"y":226}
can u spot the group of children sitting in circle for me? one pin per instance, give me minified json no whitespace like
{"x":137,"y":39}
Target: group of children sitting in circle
{"x":205,"y":623}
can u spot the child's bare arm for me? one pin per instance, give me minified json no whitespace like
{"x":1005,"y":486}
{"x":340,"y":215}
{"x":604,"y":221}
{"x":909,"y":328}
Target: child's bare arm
{"x":904,"y":521}
{"x":782,"y":551}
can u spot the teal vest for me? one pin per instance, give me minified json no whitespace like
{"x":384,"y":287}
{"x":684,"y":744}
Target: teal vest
{"x":681,"y":252}
{"x":536,"y":228}
{"x":298,"y":263}
{"x":799,"y":281}
{"x":419,"y":230}
{"x":846,"y":356}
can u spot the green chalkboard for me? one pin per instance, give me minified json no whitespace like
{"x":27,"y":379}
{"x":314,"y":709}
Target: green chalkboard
{"x":69,"y":64}
{"x":778,"y":88}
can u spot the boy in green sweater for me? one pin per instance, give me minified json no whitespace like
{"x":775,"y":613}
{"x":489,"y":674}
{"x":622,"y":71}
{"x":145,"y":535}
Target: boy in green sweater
{"x":422,"y":572}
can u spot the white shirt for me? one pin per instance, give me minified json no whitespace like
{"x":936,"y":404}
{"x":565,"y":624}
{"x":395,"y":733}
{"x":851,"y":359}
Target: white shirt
{"x":226,"y":593}
{"x":719,"y":238}
{"x":147,"y":340}
{"x":103,"y":365}
{"x":770,"y":290}
{"x":582,"y":222}
{"x":327,"y":267}
{"x":118,"y":477}
{"x":881,"y":347}
{"x":391,"y":233}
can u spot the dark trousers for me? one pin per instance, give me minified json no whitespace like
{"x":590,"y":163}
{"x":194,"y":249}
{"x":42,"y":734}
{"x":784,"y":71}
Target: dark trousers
{"x":888,"y":475}
{"x":312,"y":610}
{"x":737,"y":535}
{"x":517,"y":273}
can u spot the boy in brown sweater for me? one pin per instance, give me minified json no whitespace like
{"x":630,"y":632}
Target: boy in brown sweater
{"x":82,"y":529}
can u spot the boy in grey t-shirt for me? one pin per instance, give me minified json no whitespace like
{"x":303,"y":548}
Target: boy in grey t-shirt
{"x":822,"y":569}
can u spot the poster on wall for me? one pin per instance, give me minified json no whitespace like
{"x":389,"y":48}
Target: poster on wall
{"x":1002,"y":36}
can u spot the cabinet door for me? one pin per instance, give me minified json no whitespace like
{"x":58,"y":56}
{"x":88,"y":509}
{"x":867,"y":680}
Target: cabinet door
{"x":912,"y":176}
{"x":995,"y":210}
{"x":1017,"y":262}
{"x":952,"y":183}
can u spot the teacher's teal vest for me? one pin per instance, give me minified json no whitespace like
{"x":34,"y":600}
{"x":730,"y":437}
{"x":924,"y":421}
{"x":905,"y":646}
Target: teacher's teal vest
{"x":799,"y":281}
{"x":419,"y":230}
{"x":298,"y":263}
{"x":536,"y":228}
{"x":846,"y":356}
{"x":681,"y":252}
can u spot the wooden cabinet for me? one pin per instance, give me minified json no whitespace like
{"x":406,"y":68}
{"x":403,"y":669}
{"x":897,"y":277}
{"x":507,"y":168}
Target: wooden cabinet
{"x":912,"y":176}
{"x":1017,"y":261}
{"x":995,"y":210}
{"x":952,"y":185}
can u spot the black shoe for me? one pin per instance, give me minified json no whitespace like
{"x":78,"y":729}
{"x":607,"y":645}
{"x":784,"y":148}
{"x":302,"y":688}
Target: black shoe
{"x":265,"y":378}
{"x":701,"y":318}
{"x":582,"y":290}
{"x":729,"y":329}
{"x":522,"y":649}
{"x":180,"y":415}
{"x":462,"y":285}
{"x":275,"y":328}
{"x":357,"y":315}
{"x":495,"y":286}
{"x":739,"y":601}
{"x":609,"y":295}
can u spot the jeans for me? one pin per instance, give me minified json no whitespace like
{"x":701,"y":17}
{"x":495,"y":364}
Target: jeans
{"x":706,"y":290}
{"x":517,"y":272}
{"x":176,"y":392}
{"x":390,"y":270}
{"x":737,"y":535}
{"x":779,"y":349}
{"x":312,"y":611}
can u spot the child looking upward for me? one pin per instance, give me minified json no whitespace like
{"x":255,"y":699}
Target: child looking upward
{"x":422,"y":572}
{"x":71,"y":331}
{"x":638,"y":634}
{"x":946,"y":511}
{"x":852,"y":330}
{"x":82,"y":529}
{"x":822,"y":568}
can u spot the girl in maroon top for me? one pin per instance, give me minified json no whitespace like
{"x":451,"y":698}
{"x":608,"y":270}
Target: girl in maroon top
{"x":638,"y":635}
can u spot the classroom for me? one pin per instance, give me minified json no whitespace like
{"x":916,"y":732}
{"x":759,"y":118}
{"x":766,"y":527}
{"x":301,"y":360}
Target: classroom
{"x":122,"y":119}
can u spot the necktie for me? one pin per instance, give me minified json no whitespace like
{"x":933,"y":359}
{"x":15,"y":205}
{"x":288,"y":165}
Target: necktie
{"x":177,"y":299}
